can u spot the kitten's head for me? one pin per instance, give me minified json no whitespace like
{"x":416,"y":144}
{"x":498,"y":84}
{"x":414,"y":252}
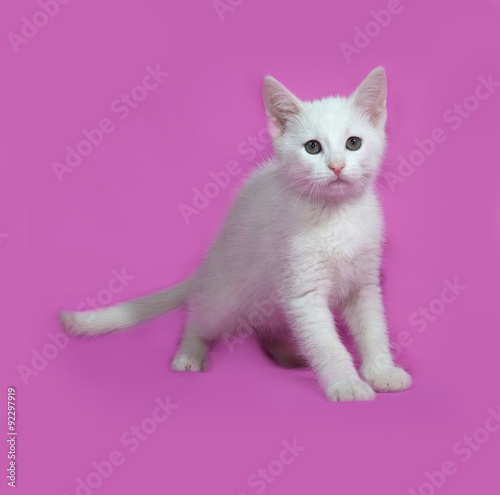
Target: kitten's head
{"x":329,"y":148}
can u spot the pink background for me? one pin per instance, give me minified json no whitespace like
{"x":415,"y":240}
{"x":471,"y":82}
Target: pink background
{"x":60,"y":242}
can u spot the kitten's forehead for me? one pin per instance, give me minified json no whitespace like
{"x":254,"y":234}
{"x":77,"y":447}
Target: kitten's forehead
{"x":330,"y":114}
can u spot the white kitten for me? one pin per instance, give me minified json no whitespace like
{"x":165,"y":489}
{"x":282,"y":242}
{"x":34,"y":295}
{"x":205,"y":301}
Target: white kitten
{"x":303,"y":236}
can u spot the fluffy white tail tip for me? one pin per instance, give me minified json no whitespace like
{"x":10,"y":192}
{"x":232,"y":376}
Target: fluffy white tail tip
{"x":89,"y":323}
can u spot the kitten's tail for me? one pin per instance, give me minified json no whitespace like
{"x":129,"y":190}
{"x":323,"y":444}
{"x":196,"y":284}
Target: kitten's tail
{"x":126,"y":314}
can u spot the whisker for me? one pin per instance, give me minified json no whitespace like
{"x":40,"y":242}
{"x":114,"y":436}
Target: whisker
{"x":291,"y":184}
{"x":309,"y":197}
{"x":299,"y":195}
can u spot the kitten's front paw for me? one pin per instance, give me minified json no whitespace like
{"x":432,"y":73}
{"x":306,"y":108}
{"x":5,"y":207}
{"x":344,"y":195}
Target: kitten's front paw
{"x":391,"y":379}
{"x":188,"y":362}
{"x":350,"y":389}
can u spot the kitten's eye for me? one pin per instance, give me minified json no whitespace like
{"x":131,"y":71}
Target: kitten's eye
{"x":312,"y":147}
{"x":353,"y":143}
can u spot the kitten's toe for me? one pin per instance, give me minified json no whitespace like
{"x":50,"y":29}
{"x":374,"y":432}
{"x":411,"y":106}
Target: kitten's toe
{"x":393,"y":379}
{"x":189,"y":362}
{"x":350,"y":389}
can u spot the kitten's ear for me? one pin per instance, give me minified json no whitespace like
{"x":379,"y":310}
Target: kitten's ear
{"x":281,"y":105}
{"x":371,"y":94}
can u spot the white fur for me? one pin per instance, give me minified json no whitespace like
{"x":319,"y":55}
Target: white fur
{"x":299,"y":240}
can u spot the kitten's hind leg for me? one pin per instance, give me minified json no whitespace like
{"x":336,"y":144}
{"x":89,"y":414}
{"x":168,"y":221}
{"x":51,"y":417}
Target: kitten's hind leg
{"x":193,"y":351}
{"x":284,"y":352}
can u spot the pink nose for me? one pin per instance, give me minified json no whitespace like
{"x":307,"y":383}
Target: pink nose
{"x":337,"y":169}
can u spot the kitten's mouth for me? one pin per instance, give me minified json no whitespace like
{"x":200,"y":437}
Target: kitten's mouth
{"x":338,"y":180}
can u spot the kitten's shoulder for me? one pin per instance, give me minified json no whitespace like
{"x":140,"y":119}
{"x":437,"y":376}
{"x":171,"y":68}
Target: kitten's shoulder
{"x":262,"y":178}
{"x":264,"y":171}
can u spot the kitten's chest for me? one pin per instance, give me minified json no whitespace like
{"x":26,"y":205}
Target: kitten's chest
{"x":347,"y":245}
{"x":341,"y":241}
{"x":337,"y":251}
